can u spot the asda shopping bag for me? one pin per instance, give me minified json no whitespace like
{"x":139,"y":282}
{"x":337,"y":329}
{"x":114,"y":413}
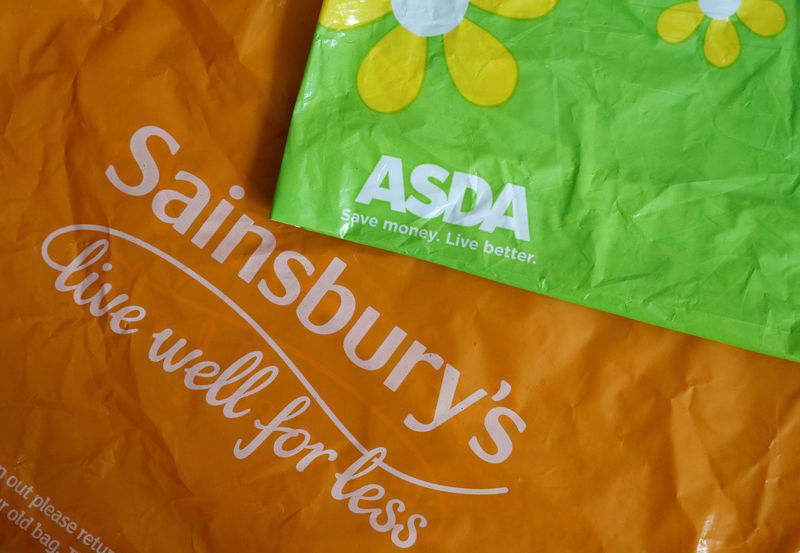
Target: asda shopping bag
{"x":635,"y":157}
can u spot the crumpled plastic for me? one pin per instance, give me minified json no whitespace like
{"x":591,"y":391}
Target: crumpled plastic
{"x":637,"y":158}
{"x":632,"y":437}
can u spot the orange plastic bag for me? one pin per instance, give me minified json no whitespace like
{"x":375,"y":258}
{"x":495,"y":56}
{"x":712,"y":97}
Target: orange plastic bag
{"x":181,"y":374}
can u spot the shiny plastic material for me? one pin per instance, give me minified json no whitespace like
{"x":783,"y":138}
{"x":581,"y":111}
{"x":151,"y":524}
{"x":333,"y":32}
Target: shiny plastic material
{"x":635,"y":157}
{"x":181,"y":409}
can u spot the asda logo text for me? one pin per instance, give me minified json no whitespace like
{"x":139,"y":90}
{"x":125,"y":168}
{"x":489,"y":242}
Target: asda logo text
{"x":468,"y":202}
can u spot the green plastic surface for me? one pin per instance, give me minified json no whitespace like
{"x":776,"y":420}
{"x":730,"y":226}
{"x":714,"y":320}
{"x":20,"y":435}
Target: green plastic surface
{"x":658,"y":186}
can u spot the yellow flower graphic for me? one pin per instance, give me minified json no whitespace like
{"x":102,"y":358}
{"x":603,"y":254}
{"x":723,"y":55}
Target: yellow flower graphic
{"x":763,"y":17}
{"x":391,"y":74}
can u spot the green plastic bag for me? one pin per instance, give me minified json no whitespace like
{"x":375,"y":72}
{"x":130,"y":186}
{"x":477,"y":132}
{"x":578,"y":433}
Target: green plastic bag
{"x":636,"y":157}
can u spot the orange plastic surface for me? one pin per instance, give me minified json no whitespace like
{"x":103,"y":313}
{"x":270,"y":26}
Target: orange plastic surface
{"x":634,"y":438}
